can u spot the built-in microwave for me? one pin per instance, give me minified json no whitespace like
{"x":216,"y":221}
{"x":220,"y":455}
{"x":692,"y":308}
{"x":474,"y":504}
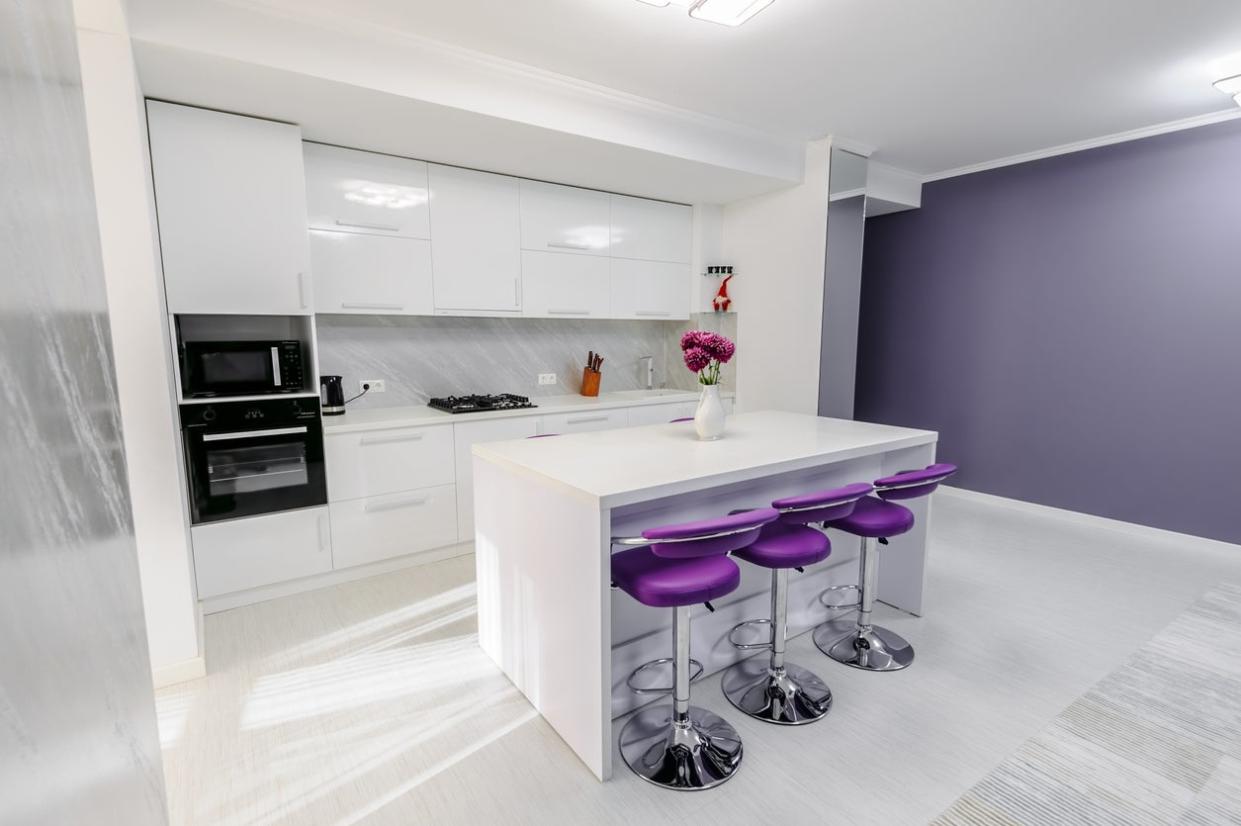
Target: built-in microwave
{"x":250,"y":458}
{"x":238,"y":368}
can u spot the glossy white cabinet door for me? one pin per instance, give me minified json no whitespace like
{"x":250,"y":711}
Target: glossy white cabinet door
{"x":376,"y":462}
{"x":231,"y":201}
{"x":469,"y":434}
{"x":370,"y":274}
{"x":649,"y":289}
{"x":355,"y":191}
{"x":651,"y":230}
{"x":564,"y":219}
{"x":554,"y":285}
{"x":585,"y":421}
{"x":260,"y":550}
{"x":475,"y":242}
{"x":382,"y":527}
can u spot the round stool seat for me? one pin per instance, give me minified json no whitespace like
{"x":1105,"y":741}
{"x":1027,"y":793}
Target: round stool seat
{"x":667,"y":583}
{"x":782,"y":545}
{"x":876,"y":518}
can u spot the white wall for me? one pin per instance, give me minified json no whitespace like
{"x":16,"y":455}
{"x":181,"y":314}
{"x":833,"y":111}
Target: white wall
{"x":777,"y":245}
{"x":116,"y":125}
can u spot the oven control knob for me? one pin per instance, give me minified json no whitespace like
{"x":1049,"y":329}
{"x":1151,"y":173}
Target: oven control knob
{"x":209,"y":414}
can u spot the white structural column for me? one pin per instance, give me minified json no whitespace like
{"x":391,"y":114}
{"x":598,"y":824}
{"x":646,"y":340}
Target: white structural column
{"x":116,"y":125}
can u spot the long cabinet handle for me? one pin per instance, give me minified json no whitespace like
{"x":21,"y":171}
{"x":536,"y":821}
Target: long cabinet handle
{"x":660,"y":313}
{"x":324,"y":541}
{"x":568,"y":245}
{"x":359,"y":225}
{"x":370,"y":305}
{"x":517,"y":293}
{"x":394,"y":504}
{"x":388,"y":440}
{"x":568,"y":312}
{"x":587,"y":420}
{"x":302,"y":291}
{"x":253,"y":434}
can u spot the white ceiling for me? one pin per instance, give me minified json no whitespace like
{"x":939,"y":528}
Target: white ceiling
{"x":932,"y":84}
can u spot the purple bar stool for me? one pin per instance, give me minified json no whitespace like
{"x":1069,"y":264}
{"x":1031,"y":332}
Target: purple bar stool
{"x":682,"y":746}
{"x":859,"y":643}
{"x":771,"y":689}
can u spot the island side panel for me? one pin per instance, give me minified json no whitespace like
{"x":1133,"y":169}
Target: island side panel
{"x":902,"y":563}
{"x":542,"y":612}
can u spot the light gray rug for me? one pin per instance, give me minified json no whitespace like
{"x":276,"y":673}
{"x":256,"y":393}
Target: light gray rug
{"x":1156,"y":742}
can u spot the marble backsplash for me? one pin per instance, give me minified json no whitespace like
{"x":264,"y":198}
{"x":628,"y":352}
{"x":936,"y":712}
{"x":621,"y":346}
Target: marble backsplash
{"x":425,"y":356}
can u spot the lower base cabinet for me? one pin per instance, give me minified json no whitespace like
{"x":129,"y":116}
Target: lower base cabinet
{"x":395,"y":524}
{"x":261,"y":550}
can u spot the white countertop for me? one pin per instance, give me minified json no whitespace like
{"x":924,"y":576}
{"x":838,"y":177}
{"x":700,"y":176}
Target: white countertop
{"x":380,"y":418}
{"x":636,"y":464}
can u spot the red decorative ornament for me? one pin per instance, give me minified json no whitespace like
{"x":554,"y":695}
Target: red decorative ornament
{"x":722,"y":302}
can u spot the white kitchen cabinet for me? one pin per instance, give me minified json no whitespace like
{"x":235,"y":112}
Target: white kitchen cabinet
{"x":395,"y":524}
{"x":564,"y":219}
{"x":651,"y":230}
{"x":475,"y":242}
{"x":660,"y":413}
{"x":585,"y":421}
{"x":555,"y":285}
{"x":371,"y":274}
{"x":353,"y":191}
{"x":260,"y":550}
{"x":375,"y":462}
{"x":469,"y":434}
{"x":649,"y":289}
{"x":231,"y":202}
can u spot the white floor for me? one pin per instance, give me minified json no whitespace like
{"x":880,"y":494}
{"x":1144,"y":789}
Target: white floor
{"x":369,"y":702}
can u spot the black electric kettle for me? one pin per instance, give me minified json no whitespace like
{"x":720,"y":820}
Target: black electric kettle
{"x":331,"y":395}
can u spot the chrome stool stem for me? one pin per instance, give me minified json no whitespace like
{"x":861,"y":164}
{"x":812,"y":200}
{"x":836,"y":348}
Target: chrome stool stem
{"x":859,"y":643}
{"x":769,"y":688}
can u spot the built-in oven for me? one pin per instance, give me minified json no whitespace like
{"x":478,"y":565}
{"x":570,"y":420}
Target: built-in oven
{"x":239,"y":368}
{"x":250,"y":458}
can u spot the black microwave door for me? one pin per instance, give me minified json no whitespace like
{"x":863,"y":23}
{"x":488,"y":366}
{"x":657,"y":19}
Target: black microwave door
{"x":231,"y":370}
{"x":253,"y":473}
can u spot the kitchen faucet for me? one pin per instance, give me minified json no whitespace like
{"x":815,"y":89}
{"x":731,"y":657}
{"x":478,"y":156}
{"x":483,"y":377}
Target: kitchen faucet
{"x":648,"y":363}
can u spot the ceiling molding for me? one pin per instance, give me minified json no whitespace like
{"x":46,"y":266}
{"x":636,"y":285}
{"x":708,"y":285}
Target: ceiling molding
{"x":1093,"y":143}
{"x":850,"y":145}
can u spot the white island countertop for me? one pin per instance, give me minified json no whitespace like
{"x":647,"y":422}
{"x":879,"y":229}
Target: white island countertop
{"x":620,"y":467}
{"x":380,"y":418}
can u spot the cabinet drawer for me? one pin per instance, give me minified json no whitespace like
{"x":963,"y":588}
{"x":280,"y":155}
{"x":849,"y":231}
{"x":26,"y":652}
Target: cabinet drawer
{"x":260,"y":550}
{"x":585,"y":421}
{"x":468,"y":434}
{"x":381,"y":527}
{"x":565,"y":286}
{"x":370,"y":274}
{"x":660,"y":413}
{"x":352,"y":191}
{"x":388,"y":461}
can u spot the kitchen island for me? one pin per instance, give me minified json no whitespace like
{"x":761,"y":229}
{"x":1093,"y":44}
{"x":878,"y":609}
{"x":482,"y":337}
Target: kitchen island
{"x":546,"y":510}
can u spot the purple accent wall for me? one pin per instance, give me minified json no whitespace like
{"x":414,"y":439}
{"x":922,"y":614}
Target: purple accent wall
{"x":1072,"y":328}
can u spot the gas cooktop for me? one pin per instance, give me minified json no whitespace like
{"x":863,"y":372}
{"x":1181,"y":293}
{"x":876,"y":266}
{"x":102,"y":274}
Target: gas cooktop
{"x":481,"y":404}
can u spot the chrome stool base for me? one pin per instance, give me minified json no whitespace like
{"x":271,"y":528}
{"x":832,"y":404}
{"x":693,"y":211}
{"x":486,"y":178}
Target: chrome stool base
{"x":871,"y":648}
{"x":790,"y":695}
{"x":697,"y":753}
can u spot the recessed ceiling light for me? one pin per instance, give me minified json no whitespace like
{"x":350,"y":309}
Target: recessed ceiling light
{"x":727,"y":12}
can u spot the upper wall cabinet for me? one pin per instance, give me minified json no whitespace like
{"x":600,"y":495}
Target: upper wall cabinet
{"x":231,"y":201}
{"x":352,"y":191}
{"x":564,"y":219}
{"x":651,"y":230}
{"x":476,"y":242}
{"x":649,"y":289}
{"x":356,"y":273}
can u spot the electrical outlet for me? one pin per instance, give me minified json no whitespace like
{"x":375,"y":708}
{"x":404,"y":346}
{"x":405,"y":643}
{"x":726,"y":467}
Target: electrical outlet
{"x":547,"y":378}
{"x":377,"y":386}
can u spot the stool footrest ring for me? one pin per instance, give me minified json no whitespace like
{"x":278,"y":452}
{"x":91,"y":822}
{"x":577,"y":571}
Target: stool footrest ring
{"x":696,"y":675}
{"x":839,"y":606}
{"x":748,"y":645}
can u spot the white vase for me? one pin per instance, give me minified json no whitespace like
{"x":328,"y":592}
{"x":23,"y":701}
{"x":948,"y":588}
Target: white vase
{"x":709,"y":418}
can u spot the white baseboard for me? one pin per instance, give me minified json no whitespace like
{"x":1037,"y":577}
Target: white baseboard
{"x":1090,"y":520}
{"x":181,"y":672}
{"x":225,"y":602}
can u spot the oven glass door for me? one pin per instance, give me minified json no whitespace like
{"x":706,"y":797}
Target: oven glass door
{"x":243,"y":473}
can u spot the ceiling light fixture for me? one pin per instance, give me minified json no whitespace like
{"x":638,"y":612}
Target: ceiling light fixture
{"x":1230,"y":86}
{"x":725,"y":12}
